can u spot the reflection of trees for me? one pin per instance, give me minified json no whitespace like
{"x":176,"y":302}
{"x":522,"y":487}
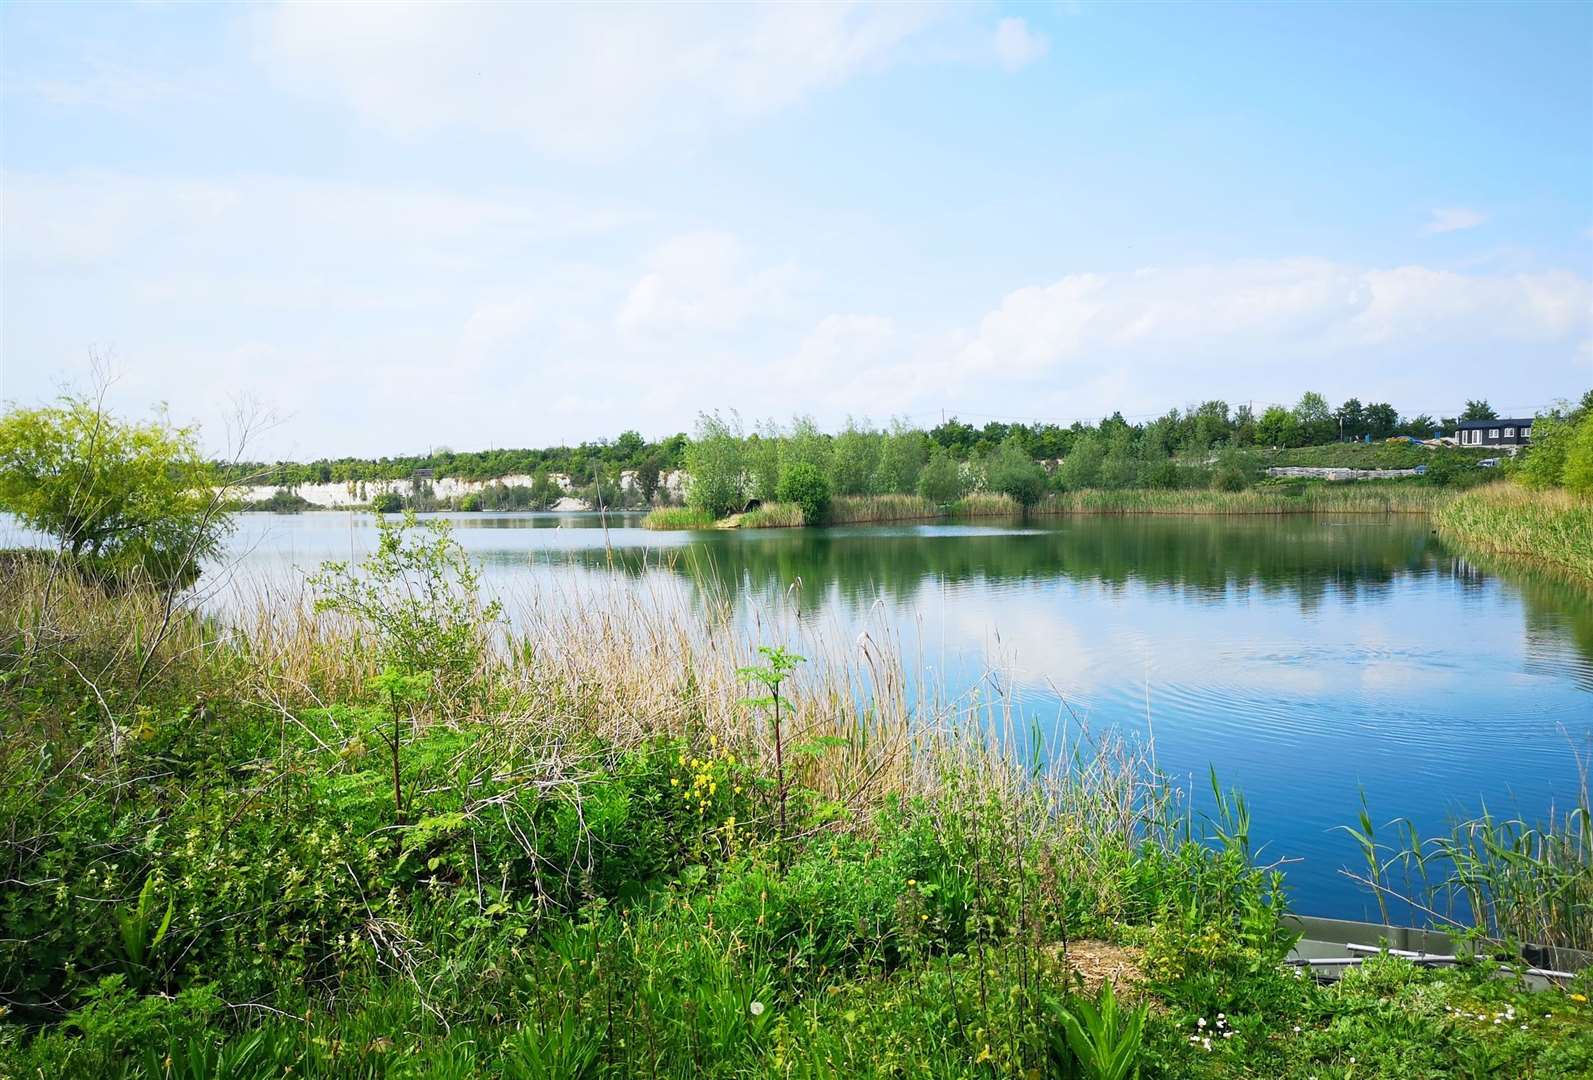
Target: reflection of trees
{"x":1207,"y":559}
{"x":1555,"y":614}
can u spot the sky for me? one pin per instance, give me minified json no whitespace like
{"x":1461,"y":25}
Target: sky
{"x":410,"y":226}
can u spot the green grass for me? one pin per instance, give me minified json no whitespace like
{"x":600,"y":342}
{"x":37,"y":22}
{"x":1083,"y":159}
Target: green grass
{"x":1378,"y":455}
{"x":1550,"y":529}
{"x":668,"y":518}
{"x":229,"y":851}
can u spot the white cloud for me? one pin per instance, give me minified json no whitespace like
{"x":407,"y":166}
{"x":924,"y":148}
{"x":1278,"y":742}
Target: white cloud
{"x":1268,"y":310}
{"x":1454,"y":219}
{"x":702,"y":282}
{"x":577,"y":79}
{"x":1016,"y":45}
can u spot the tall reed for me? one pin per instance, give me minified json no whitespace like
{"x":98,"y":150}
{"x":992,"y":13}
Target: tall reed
{"x":669,"y":518}
{"x":1553,"y":528}
{"x":861,"y":509}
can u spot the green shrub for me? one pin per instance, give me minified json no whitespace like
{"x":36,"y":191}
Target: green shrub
{"x":419,"y":593}
{"x":804,"y":485}
{"x":1012,"y":472}
{"x":941,"y":480}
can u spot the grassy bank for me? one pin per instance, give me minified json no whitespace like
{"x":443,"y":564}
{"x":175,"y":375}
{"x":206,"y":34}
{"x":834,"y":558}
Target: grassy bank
{"x":1551,"y":529}
{"x":395,"y":838}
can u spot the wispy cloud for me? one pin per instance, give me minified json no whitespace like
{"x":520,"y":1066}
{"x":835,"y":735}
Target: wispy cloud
{"x":1017,"y":46}
{"x":578,"y":80}
{"x":1454,"y":219}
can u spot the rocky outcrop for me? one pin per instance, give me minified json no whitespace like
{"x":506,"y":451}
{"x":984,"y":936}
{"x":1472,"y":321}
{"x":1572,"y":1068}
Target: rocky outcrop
{"x":342,"y":495}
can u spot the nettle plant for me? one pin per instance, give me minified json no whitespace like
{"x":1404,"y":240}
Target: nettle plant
{"x":419,"y":592}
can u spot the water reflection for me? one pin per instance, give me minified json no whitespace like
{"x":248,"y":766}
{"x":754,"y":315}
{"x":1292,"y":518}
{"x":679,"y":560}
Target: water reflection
{"x":1308,"y":659}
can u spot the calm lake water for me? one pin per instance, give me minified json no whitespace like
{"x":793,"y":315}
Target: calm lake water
{"x":1307,"y":659}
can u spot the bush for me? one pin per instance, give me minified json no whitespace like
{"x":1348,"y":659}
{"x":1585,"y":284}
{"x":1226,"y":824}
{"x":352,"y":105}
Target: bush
{"x":804,"y":485}
{"x":1012,"y":472}
{"x":282,"y":501}
{"x":1235,"y":471}
{"x":419,"y":593}
{"x":388,"y":502}
{"x":941,"y":481}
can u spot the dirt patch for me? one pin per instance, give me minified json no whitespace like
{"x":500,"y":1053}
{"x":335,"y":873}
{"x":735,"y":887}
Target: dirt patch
{"x":1097,"y":961}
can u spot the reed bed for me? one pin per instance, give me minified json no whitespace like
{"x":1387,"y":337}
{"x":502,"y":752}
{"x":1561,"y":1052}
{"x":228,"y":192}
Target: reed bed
{"x":669,"y":518}
{"x":1360,"y":498}
{"x":986,"y":504}
{"x":864,"y":509}
{"x":1553,"y":528}
{"x":772,"y":515}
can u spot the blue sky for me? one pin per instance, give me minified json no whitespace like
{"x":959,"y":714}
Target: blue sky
{"x":410,"y":226}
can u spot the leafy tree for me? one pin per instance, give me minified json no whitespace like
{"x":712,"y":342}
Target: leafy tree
{"x":1352,"y":419}
{"x":1544,"y":464}
{"x":806,"y":443}
{"x":628,"y":448}
{"x":1011,"y":471}
{"x":1277,"y":427}
{"x":1120,"y":466}
{"x":854,"y":459}
{"x":130,"y":499}
{"x":1577,"y":476}
{"x":802,"y":483}
{"x":647,"y":474}
{"x":1382,"y":420}
{"x":762,"y":456}
{"x":941,"y":480}
{"x":1208,"y":426}
{"x":1479,"y":410}
{"x":714,"y":465}
{"x":1244,"y":426}
{"x":903,"y":452}
{"x":1315,"y":419}
{"x":1082,"y":468}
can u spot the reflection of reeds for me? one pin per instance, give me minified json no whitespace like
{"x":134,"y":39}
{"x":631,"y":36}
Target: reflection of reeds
{"x":1553,"y":529}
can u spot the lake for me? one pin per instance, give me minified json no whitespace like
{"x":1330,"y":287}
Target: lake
{"x":1308,"y":659}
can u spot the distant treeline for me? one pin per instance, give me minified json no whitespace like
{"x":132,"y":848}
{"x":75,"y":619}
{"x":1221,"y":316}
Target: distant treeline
{"x":1209,"y":425}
